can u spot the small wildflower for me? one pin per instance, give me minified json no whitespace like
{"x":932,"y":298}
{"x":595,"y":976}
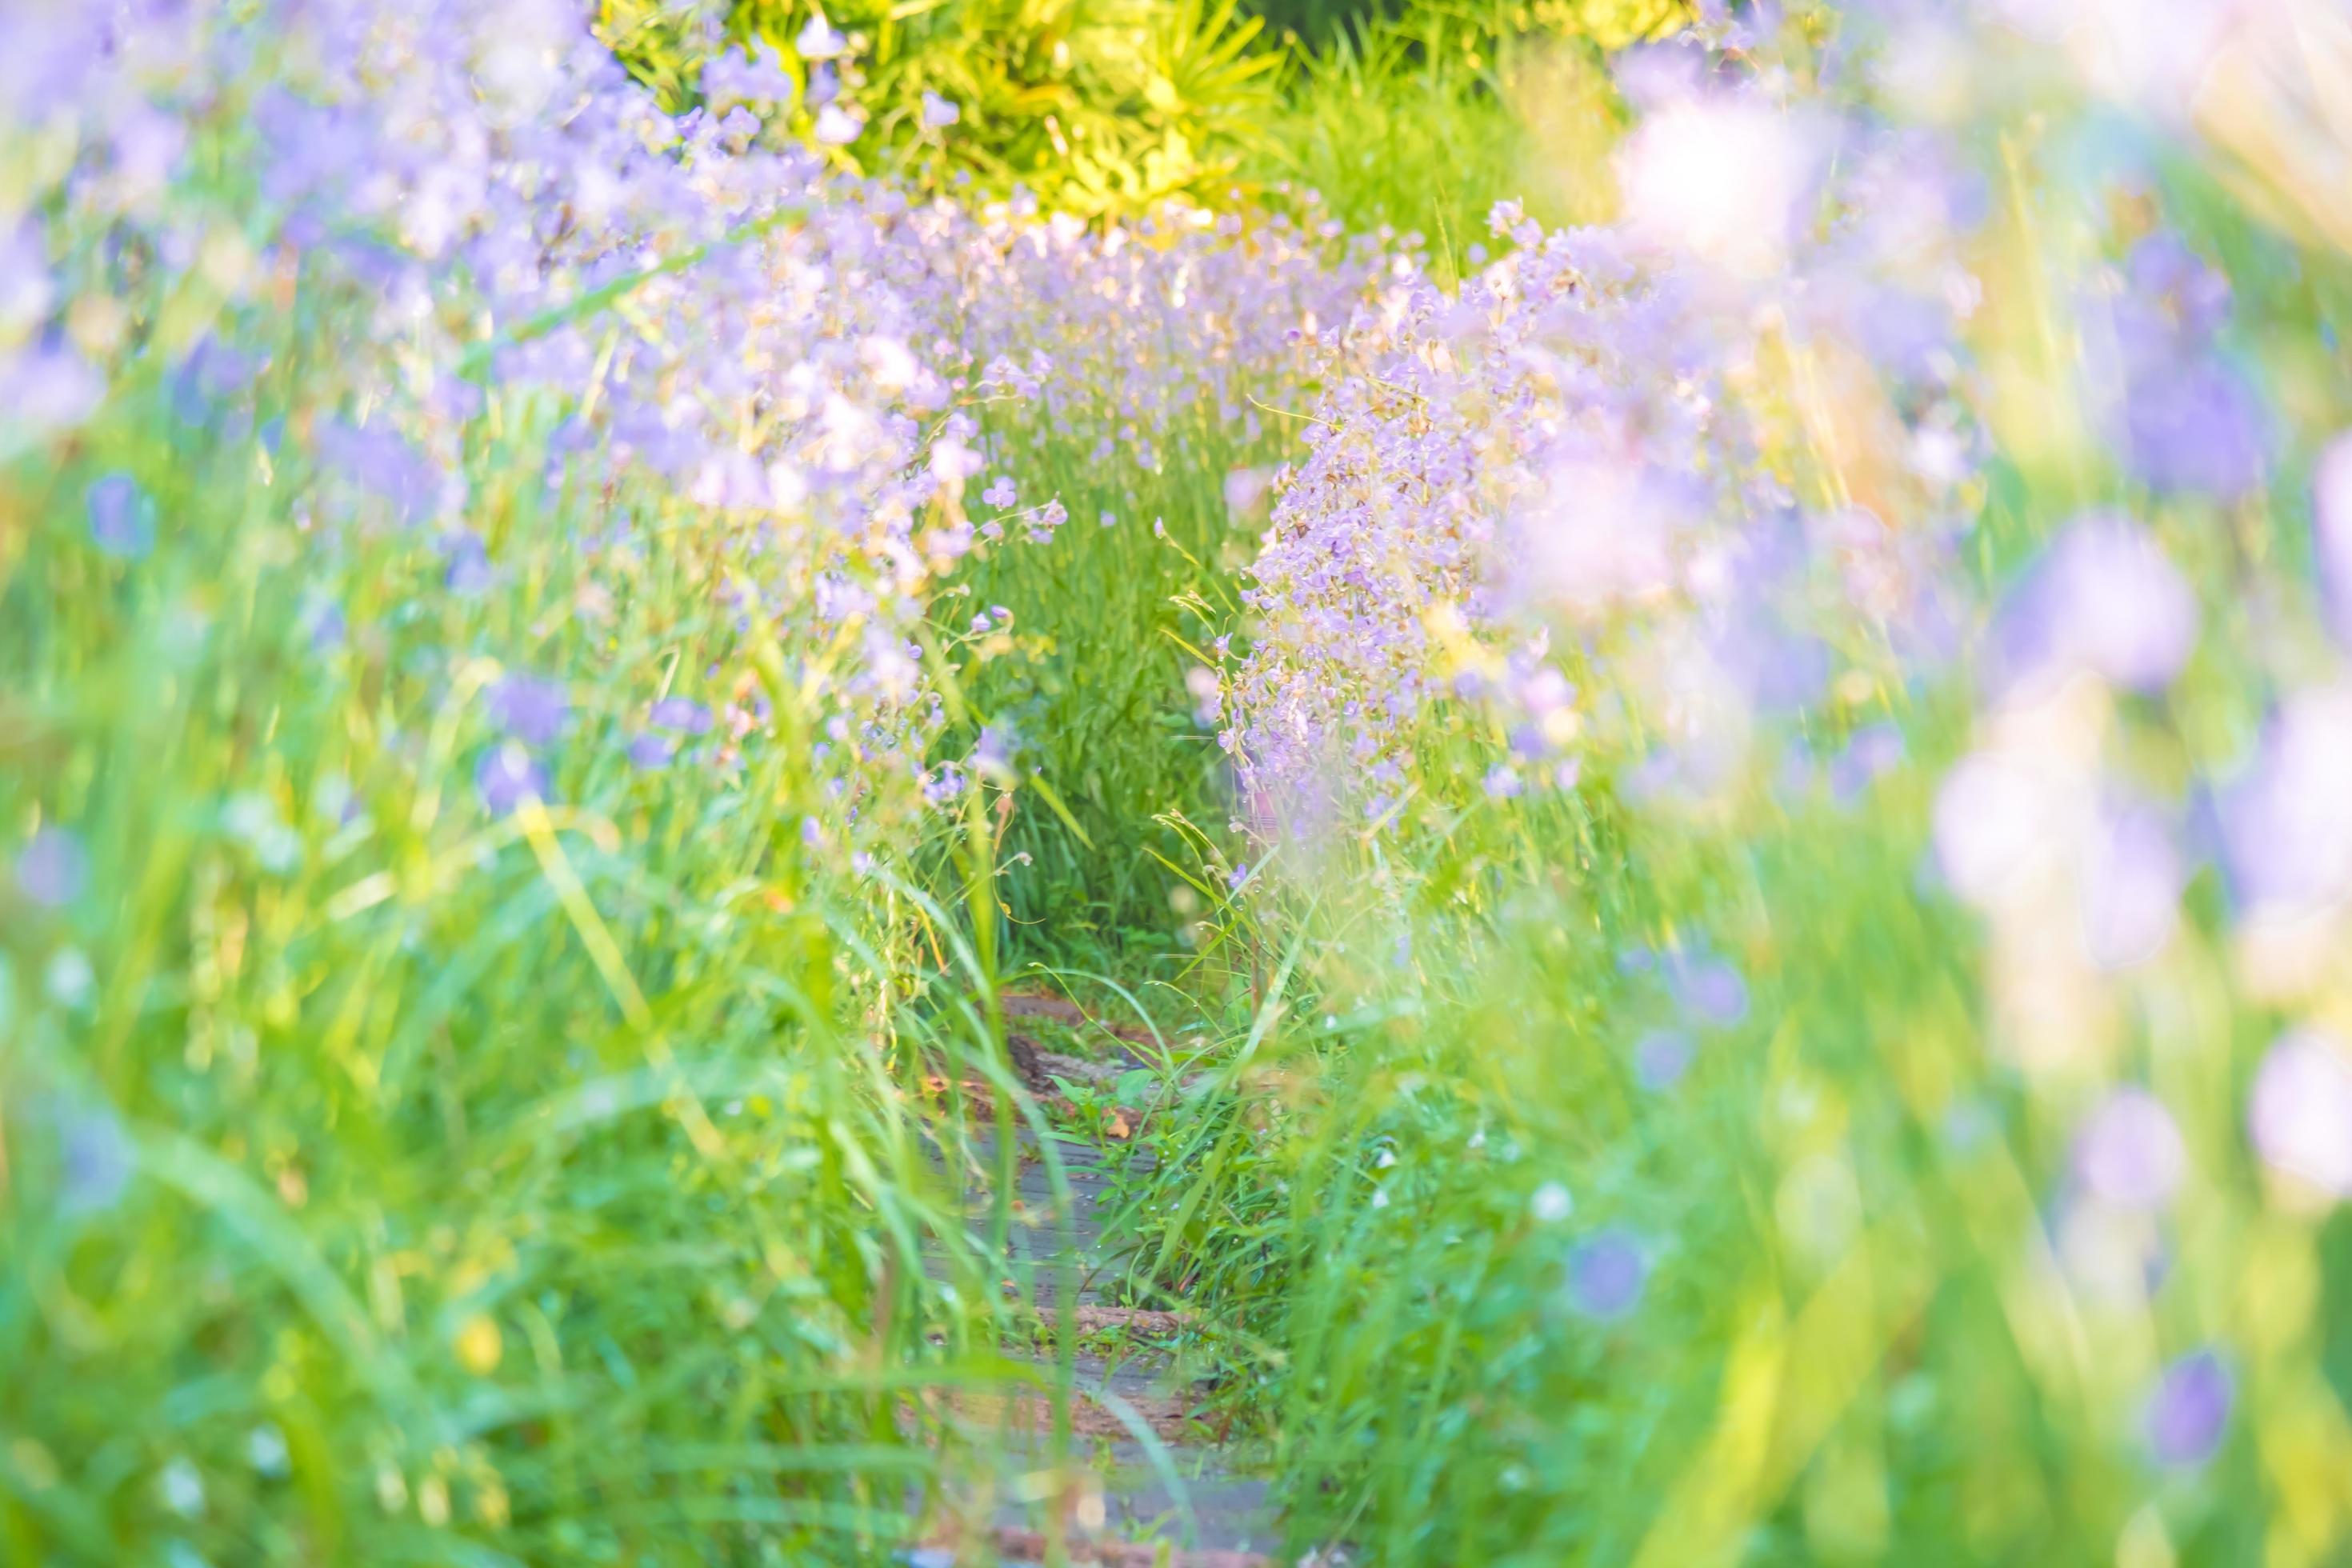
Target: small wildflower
{"x":1607,"y":1275}
{"x":122,"y":517}
{"x":53,"y":867}
{"x":818,"y":41}
{"x":2189,"y":1411}
{"x":507,"y":776}
{"x":2129,"y":1151}
{"x":531,"y":711}
{"x":183,"y":1489}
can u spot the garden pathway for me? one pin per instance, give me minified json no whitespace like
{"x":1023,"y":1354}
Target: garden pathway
{"x":1148,"y":1485}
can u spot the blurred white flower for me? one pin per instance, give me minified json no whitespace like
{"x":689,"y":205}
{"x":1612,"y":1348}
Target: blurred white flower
{"x":818,"y":41}
{"x":1720,"y":179}
{"x":2301,"y":1113}
{"x":835,"y":127}
{"x":2129,"y":1152}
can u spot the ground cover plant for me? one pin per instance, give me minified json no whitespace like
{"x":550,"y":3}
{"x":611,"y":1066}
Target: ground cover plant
{"x":1684,"y":844}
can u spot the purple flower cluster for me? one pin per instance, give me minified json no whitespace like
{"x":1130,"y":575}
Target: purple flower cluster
{"x":1573,"y":454}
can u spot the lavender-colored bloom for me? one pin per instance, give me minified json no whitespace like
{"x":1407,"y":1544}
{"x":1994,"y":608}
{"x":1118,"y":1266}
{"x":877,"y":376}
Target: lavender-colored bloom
{"x":1001,"y":491}
{"x":2194,"y":295}
{"x":2105,"y":600}
{"x":53,"y":867}
{"x":507,"y":776}
{"x":648,"y":752}
{"x":938,"y":113}
{"x":325,"y":625}
{"x":2331,"y":535}
{"x":470,"y":571}
{"x":382,"y":463}
{"x":2130,"y":888}
{"x":1870,"y":752}
{"x":211,"y":373}
{"x":2129,"y":1152}
{"x":2189,"y":1411}
{"x":1710,"y":990}
{"x":1662,"y":1057}
{"x":727,"y":78}
{"x":1607,"y":1274}
{"x":97,"y":1157}
{"x":122,"y":520}
{"x":2286,"y":828}
{"x":531,"y":711}
{"x":681,"y":713}
{"x":992,"y":755}
{"x":2300,"y":1115}
{"x":47,"y":389}
{"x":2194,"y":427}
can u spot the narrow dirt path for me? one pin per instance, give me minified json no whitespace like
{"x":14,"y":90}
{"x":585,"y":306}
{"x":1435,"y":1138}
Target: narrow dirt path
{"x":1149,"y":1484}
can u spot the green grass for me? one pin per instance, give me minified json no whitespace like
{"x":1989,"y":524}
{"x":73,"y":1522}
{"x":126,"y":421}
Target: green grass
{"x":415,"y":1184}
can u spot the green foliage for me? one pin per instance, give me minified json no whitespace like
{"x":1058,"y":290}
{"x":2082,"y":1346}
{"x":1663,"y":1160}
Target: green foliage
{"x":1408,"y":115}
{"x":1098,"y":106}
{"x":1419,"y":124}
{"x":399,"y":1183}
{"x":1106,"y":621}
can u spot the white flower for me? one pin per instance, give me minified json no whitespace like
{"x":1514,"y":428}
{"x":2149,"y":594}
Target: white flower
{"x":818,"y":41}
{"x":837,"y":128}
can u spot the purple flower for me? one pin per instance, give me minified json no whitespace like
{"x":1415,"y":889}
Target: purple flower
{"x":1607,"y":1274}
{"x":53,"y":867}
{"x":648,"y":752}
{"x":2194,"y":295}
{"x":507,"y":776}
{"x":469,"y":572}
{"x":1661,"y":1059}
{"x":993,"y":754}
{"x":2189,"y":1411}
{"x":2129,"y":1152}
{"x":1870,"y":752}
{"x":2130,"y":888}
{"x":2195,"y":428}
{"x":1001,"y":491}
{"x":529,"y":710}
{"x":681,"y":713}
{"x":2331,"y":535}
{"x":383,"y":464}
{"x":727,"y":78}
{"x":210,"y":374}
{"x":47,"y":389}
{"x":938,"y":113}
{"x":2286,"y":828}
{"x":2300,"y":1115}
{"x":99,"y":1159}
{"x":2105,"y":600}
{"x":1710,"y":989}
{"x":121,"y":519}
{"x":323,"y":621}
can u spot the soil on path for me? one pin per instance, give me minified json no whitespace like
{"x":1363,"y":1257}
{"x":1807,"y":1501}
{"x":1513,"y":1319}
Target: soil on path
{"x":1149,"y":1481}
